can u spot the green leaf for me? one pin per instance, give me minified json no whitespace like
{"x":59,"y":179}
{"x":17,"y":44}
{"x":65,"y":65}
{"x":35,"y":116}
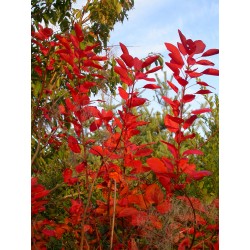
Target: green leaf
{"x":118,"y":8}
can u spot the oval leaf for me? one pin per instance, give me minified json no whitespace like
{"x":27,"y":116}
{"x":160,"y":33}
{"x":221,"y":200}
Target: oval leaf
{"x":210,"y":52}
{"x":127,"y":211}
{"x":205,"y":62}
{"x":193,"y":152}
{"x":173,"y":87}
{"x":151,"y":86}
{"x":189,"y":121}
{"x":187,"y":98}
{"x":210,"y":71}
{"x":73,"y":144}
{"x":203,"y":92}
{"x":200,"y":111}
{"x":157,"y":166}
{"x":123,"y":94}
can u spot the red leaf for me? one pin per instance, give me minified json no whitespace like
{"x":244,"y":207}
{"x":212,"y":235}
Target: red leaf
{"x":198,"y":175}
{"x":143,"y":152}
{"x":74,"y":40}
{"x":77,"y":127}
{"x":136,"y":101}
{"x":121,"y":71}
{"x":151,"y":86}
{"x":75,"y":207}
{"x":174,"y":88}
{"x":73,"y":144}
{"x":193,"y":74}
{"x":128,"y":59}
{"x":175,"y":54}
{"x":33,"y":181}
{"x":89,"y":63}
{"x":210,"y":71}
{"x":154,"y":194}
{"x":149,"y":61}
{"x":137,"y":64}
{"x":47,"y":32}
{"x":79,"y":168}
{"x":124,"y":48}
{"x":173,"y":67}
{"x":90,"y":47}
{"x":99,"y":58}
{"x":189,"y":121}
{"x":184,"y":244}
{"x":175,"y":119}
{"x":149,"y":79}
{"x":40,"y":194}
{"x":96,"y":150}
{"x":210,"y":52}
{"x":164,"y":207}
{"x":115,"y":176}
{"x":204,"y":84}
{"x":192,"y":152}
{"x":67,"y":173}
{"x":127,"y":211}
{"x":67,"y":177}
{"x":171,"y":125}
{"x":84,"y":88}
{"x":107,"y":115}
{"x":48,"y":232}
{"x":181,"y":49}
{"x":132,"y":244}
{"x":95,"y":125}
{"x":38,"y":70}
{"x":183,"y":40}
{"x":44,"y":50}
{"x":205,"y":62}
{"x":98,"y":76}
{"x":191,"y":60}
{"x":121,"y":63}
{"x":79,"y":32}
{"x":187,"y":98}
{"x":166,"y":181}
{"x":153,"y":69}
{"x":157,"y":166}
{"x":203,"y":92}
{"x":168,"y":100}
{"x":200,"y":46}
{"x":200,"y":111}
{"x":181,"y":81}
{"x":171,"y":148}
{"x":63,"y":41}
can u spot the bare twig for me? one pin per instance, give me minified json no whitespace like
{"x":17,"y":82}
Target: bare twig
{"x":38,"y":144}
{"x":113,"y":219}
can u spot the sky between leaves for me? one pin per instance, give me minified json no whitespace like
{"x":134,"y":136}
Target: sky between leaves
{"x":151,"y":23}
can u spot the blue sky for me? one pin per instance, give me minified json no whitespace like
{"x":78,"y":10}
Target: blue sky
{"x":151,"y":23}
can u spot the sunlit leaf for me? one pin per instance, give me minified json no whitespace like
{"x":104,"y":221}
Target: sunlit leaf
{"x":189,"y":121}
{"x":192,"y":152}
{"x":151,"y":86}
{"x":210,"y":52}
{"x":157,"y":165}
{"x":211,"y":71}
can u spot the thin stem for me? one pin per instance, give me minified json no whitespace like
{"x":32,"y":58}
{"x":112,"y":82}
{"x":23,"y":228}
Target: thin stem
{"x":85,"y":212}
{"x":113,"y":220}
{"x":194,"y":222}
{"x":38,"y":144}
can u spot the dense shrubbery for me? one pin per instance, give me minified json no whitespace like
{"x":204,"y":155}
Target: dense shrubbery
{"x":108,"y":176}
